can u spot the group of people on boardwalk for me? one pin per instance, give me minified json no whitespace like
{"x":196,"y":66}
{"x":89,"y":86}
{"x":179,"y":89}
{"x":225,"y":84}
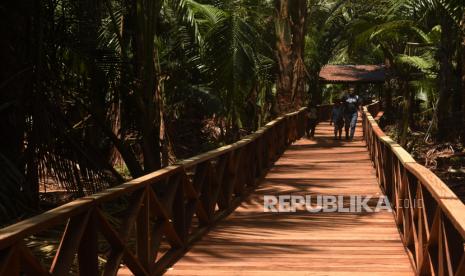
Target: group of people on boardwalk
{"x":344,"y":114}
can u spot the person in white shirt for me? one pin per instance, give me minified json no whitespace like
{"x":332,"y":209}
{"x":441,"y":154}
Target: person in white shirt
{"x":351,"y":103}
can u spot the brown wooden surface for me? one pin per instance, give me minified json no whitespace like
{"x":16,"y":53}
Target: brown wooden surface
{"x":251,"y":242}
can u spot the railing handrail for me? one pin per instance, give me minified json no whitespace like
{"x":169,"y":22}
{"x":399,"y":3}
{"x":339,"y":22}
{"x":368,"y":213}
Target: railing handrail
{"x":188,"y":162}
{"x":127,"y":187}
{"x":401,"y":184}
{"x":197,"y":185}
{"x":440,"y":191}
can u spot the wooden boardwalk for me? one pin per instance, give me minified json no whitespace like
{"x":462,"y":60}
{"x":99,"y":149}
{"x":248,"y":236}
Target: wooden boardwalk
{"x":251,"y":242}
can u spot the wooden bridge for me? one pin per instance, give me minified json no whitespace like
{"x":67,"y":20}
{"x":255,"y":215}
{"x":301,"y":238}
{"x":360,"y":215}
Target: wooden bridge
{"x":204,"y":216}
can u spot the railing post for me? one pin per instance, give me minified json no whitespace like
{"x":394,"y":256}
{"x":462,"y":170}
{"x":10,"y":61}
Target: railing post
{"x":143,"y":237}
{"x":88,"y":249}
{"x":179,"y":212}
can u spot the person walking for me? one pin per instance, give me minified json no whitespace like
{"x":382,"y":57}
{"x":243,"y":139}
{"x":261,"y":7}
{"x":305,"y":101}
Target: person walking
{"x":337,"y":117}
{"x":312,"y":120}
{"x":351,"y":103}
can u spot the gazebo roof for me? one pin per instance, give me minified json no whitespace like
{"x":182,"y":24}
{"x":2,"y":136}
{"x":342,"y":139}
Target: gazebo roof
{"x":353,"y":74}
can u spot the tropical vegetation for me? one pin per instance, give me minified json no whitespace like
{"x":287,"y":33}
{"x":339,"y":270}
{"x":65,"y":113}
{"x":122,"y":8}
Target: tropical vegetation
{"x":94,"y":92}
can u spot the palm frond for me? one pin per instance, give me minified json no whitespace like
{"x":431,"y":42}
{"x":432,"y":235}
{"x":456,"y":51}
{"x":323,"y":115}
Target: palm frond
{"x":423,"y":63}
{"x":456,"y":10}
{"x":200,"y":17}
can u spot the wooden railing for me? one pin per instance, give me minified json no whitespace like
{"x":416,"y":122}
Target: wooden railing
{"x":430,"y":217}
{"x":148,"y":223}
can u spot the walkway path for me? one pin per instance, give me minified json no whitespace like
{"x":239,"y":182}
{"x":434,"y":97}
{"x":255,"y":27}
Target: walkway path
{"x":251,"y":242}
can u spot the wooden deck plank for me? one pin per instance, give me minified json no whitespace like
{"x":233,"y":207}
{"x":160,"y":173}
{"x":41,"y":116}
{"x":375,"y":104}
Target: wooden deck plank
{"x":251,"y":242}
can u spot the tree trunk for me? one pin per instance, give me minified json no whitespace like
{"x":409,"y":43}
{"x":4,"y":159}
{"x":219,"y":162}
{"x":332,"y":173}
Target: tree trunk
{"x":290,"y":43}
{"x":299,"y":17}
{"x":387,"y":95}
{"x":387,"y":99}
{"x":20,"y":52}
{"x":406,"y":111}
{"x":445,"y":79}
{"x":462,"y":80}
{"x":284,"y":56}
{"x":315,"y":93}
{"x":89,"y":17}
{"x":146,"y":90}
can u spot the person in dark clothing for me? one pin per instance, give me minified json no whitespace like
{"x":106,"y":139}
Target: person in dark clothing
{"x":337,"y":117}
{"x":312,"y":120}
{"x":351,"y":103}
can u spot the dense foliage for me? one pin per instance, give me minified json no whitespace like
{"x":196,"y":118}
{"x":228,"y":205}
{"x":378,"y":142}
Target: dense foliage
{"x":93,"y":92}
{"x":422,"y":44}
